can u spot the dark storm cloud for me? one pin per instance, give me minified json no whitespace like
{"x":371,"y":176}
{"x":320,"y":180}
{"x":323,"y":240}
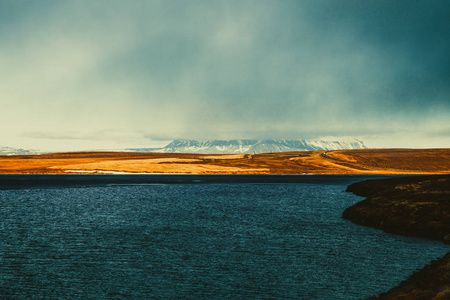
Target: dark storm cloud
{"x":411,"y":37}
{"x":227,"y":69}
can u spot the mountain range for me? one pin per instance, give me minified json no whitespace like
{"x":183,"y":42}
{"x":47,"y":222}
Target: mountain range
{"x":255,"y":146}
{"x":232,"y":146}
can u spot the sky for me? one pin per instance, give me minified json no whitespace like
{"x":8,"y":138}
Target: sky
{"x":109,"y":74}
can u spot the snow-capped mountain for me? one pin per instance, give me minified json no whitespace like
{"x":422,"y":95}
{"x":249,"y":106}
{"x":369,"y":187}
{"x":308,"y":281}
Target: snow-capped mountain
{"x":256,"y":146}
{"x":16,"y":151}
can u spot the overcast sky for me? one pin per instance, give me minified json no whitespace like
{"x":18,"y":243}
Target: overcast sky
{"x":79,"y":75}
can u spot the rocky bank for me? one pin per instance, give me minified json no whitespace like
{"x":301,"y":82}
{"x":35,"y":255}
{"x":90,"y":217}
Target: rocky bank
{"x":413,"y":206}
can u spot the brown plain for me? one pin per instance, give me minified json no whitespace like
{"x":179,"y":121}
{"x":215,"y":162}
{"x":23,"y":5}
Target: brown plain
{"x":367,"y":161}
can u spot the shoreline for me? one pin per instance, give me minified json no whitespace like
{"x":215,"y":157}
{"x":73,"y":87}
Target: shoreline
{"x":416,"y":206}
{"x":25,"y":181}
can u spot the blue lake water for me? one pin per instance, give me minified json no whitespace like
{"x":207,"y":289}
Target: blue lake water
{"x":225,"y":240}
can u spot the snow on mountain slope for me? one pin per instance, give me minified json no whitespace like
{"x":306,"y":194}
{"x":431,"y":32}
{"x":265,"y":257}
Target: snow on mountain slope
{"x":257,"y":146}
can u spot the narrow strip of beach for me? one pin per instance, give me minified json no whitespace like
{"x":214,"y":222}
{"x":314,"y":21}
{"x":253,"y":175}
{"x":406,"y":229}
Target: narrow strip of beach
{"x":20,"y":181}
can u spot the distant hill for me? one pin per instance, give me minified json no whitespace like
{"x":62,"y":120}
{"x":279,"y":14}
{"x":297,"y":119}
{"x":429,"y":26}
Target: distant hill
{"x":17,"y":151}
{"x":255,"y":146}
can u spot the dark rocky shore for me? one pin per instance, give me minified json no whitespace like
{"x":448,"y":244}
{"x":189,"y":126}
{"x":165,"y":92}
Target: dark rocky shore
{"x":413,"y":206}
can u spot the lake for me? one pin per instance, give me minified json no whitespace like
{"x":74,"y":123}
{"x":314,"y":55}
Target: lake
{"x":208,"y":240}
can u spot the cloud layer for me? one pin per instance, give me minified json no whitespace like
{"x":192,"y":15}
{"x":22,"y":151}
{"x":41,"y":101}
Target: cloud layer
{"x":136,"y":73}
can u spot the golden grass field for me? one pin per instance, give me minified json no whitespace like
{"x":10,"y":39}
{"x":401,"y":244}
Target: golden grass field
{"x":367,"y":161}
